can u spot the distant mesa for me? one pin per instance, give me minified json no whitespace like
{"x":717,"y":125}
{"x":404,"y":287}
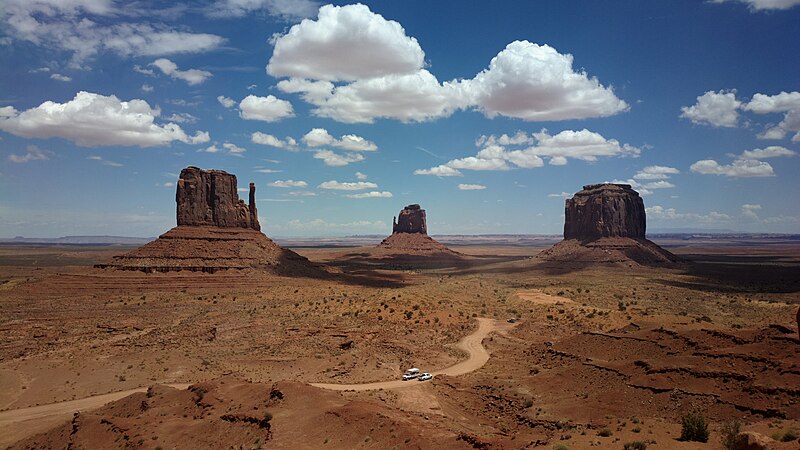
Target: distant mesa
{"x":216,"y":231}
{"x":605,"y":223}
{"x":604,"y":210}
{"x":410,"y":220}
{"x":410,"y":236}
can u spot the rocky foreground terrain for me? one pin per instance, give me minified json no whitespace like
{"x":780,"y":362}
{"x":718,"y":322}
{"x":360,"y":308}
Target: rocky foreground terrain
{"x":600,"y":355}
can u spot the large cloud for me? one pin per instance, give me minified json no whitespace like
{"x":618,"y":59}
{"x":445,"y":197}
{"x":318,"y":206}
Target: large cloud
{"x":92,"y":120}
{"x":356,"y":66}
{"x":73,"y":26}
{"x":537,"y":83}
{"x":345,"y":43}
{"x":718,"y":109}
{"x":413,"y":97}
{"x":268,"y":109}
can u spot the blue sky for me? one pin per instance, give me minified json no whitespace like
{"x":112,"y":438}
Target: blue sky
{"x":487,"y":114}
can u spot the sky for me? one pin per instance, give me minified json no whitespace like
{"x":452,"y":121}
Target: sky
{"x":488,"y":114}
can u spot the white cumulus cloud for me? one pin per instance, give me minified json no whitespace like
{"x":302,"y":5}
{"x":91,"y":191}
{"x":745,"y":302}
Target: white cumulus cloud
{"x":288,"y":184}
{"x":226,"y":101}
{"x":92,"y":120}
{"x":656,"y":173}
{"x":345,"y":43}
{"x":748,"y":164}
{"x":320,"y":137}
{"x":272,"y":141}
{"x":537,"y":83}
{"x":719,"y":109}
{"x":333,"y":159}
{"x":268,"y":109}
{"x":471,"y":187}
{"x":371,"y":194}
{"x":381,"y":73}
{"x":583,"y":145}
{"x":191,"y":76}
{"x":785,"y":102}
{"x":347,"y":186}
{"x":739,"y":168}
{"x":439,"y":171}
{"x":773,"y":151}
{"x":234,"y":149}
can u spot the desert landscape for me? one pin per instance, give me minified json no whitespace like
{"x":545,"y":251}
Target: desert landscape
{"x":399,"y":225}
{"x":219,"y":337}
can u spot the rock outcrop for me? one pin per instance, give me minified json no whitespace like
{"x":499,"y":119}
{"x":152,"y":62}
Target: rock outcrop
{"x":410,"y":237}
{"x":216,"y":231}
{"x":210,"y":198}
{"x":410,"y":220}
{"x":604,"y":210}
{"x":606,"y":223}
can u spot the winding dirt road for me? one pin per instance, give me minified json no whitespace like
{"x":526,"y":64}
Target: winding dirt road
{"x":471,"y":343}
{"x":16,"y":424}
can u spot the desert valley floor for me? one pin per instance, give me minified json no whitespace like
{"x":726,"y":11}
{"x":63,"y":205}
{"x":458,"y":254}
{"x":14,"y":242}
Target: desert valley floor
{"x":598,"y":356}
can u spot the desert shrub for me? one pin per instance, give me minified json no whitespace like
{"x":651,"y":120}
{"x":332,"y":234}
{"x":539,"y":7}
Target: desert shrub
{"x":636,"y":430}
{"x":787,"y":436}
{"x":728,"y":433}
{"x":605,"y":432}
{"x":635,"y":445}
{"x":790,"y":435}
{"x":528,"y":403}
{"x":694,"y":427}
{"x":560,"y":447}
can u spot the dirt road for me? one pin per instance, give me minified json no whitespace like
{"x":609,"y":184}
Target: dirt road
{"x":19,"y":423}
{"x":16,"y":424}
{"x":472,"y":344}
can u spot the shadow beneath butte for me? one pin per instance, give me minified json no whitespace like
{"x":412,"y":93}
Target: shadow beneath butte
{"x":740,"y":274}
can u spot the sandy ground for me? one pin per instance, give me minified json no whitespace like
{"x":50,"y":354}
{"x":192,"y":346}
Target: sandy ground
{"x":472,"y":344}
{"x":624,"y":348}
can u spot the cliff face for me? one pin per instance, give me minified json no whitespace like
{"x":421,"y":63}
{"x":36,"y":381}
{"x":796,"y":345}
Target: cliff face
{"x":410,"y":220}
{"x":604,"y":210}
{"x":210,"y":198}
